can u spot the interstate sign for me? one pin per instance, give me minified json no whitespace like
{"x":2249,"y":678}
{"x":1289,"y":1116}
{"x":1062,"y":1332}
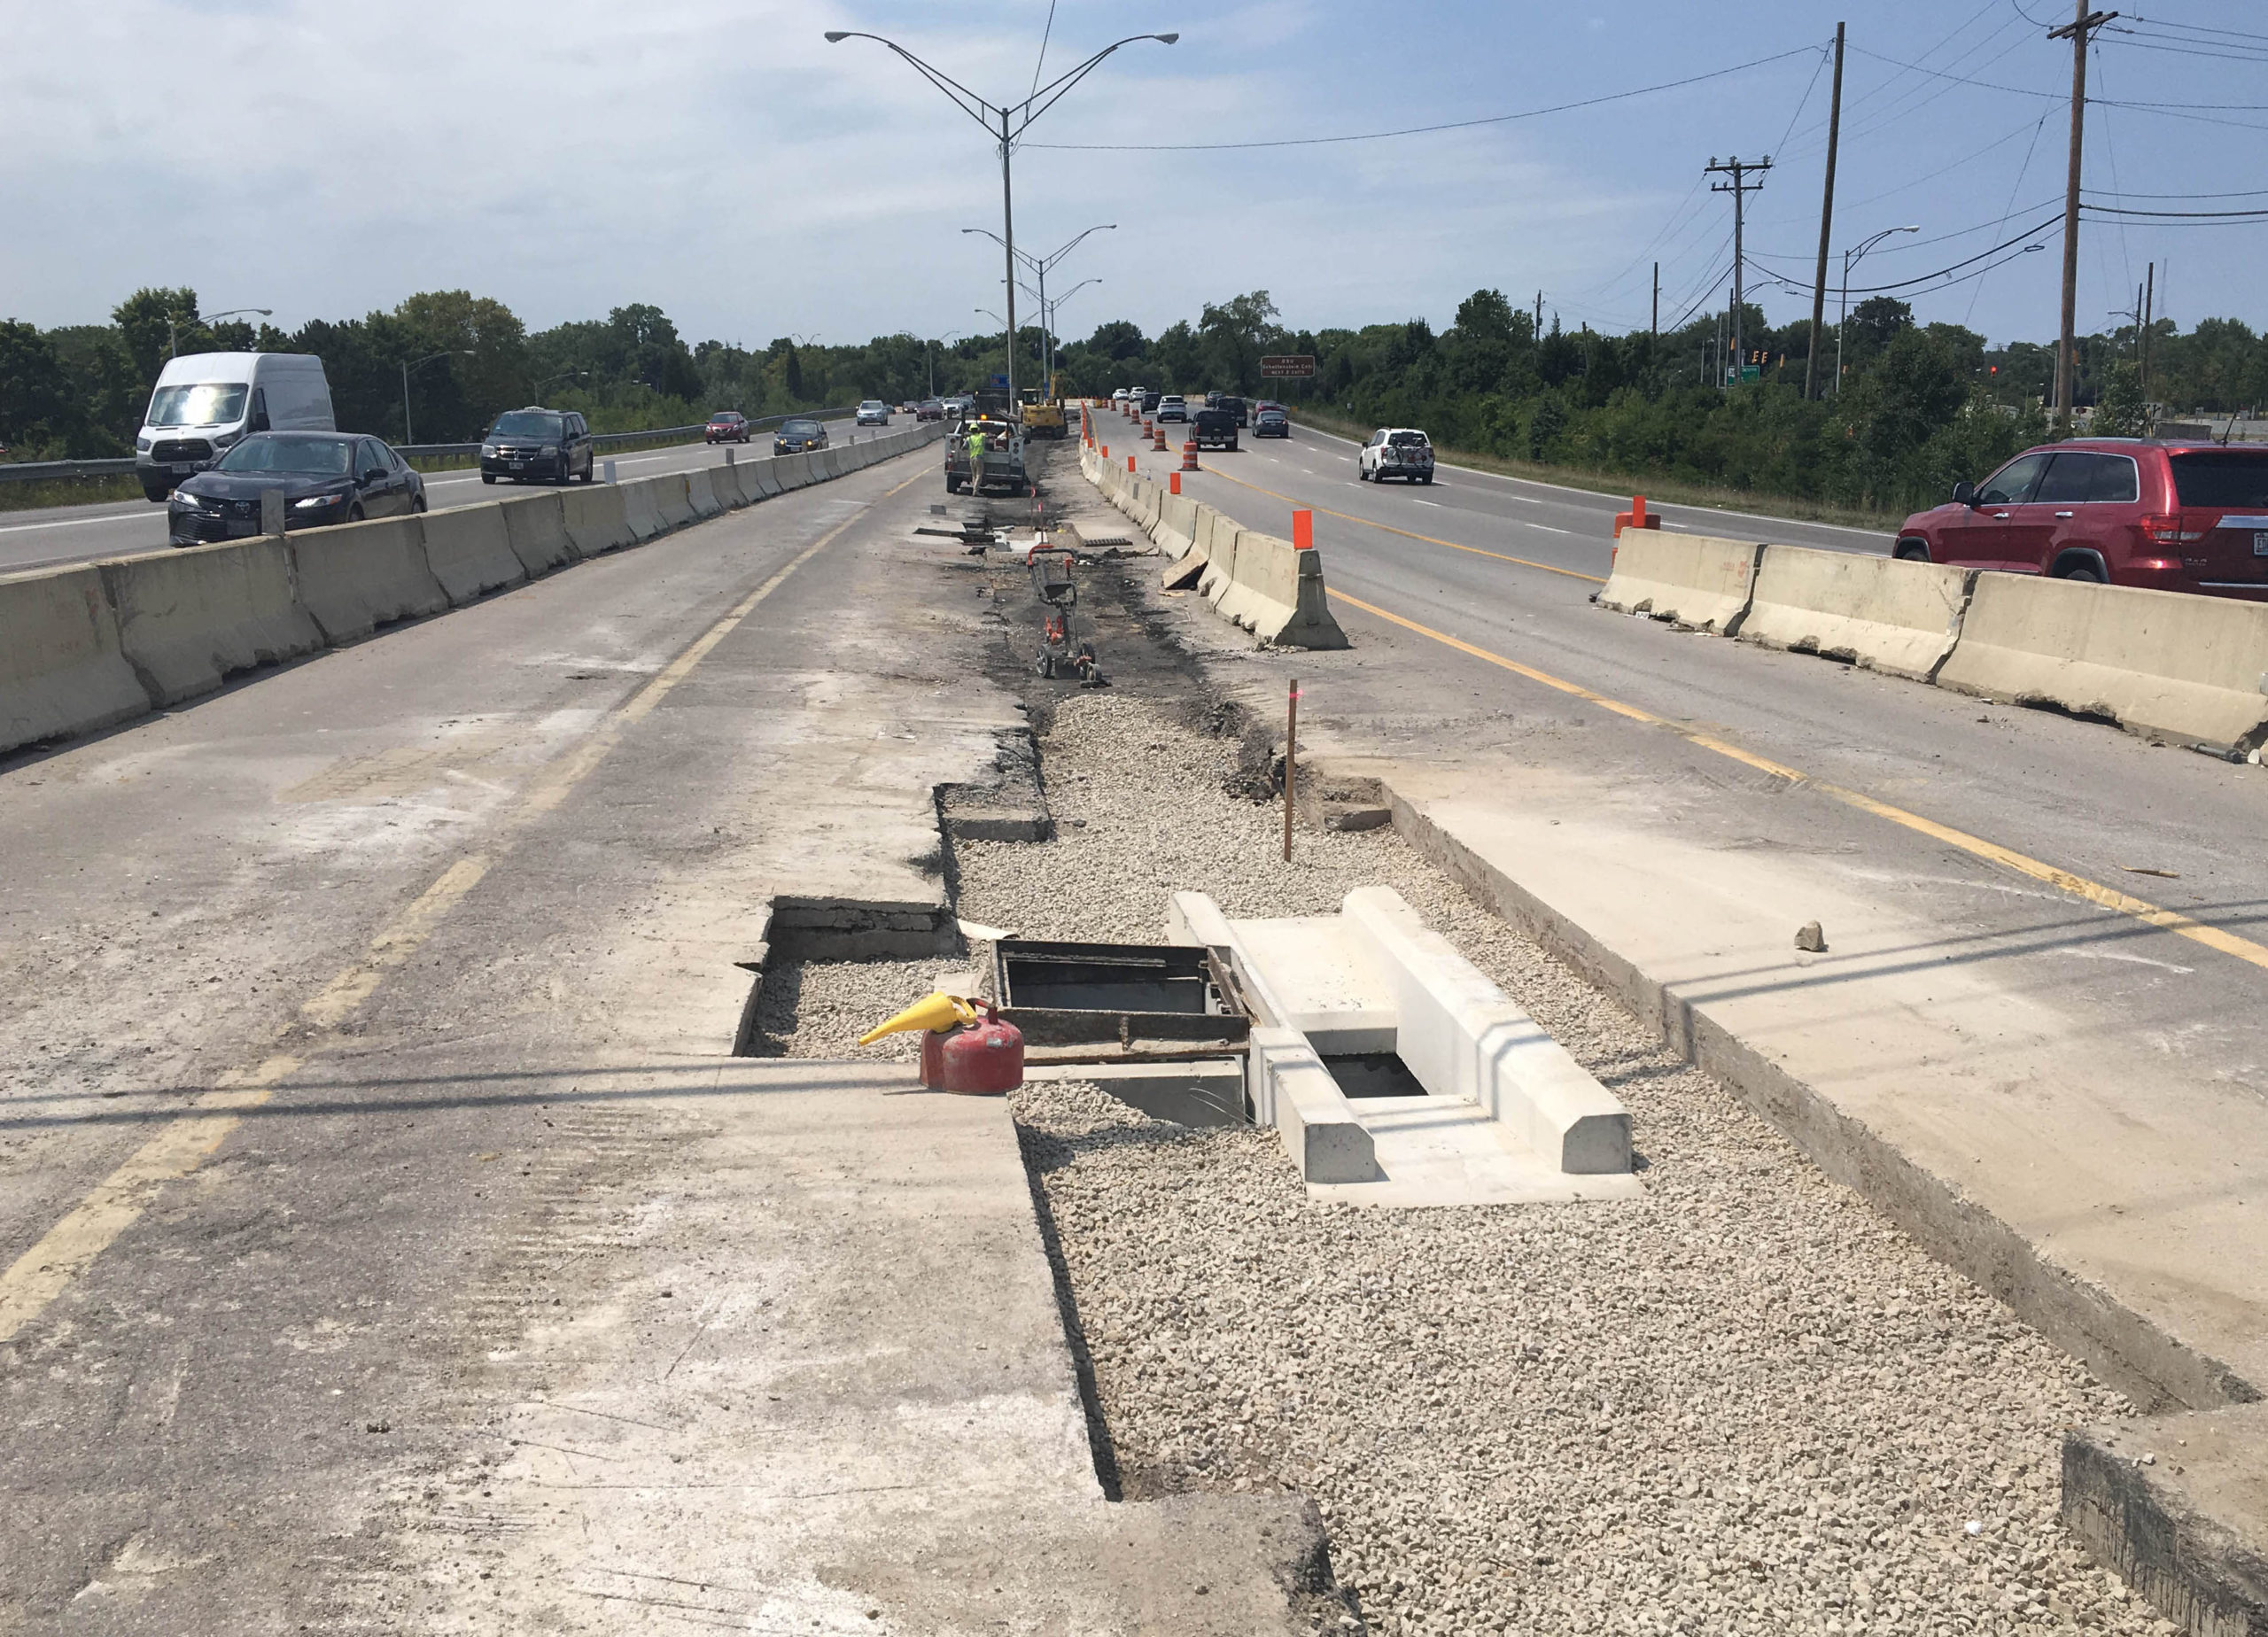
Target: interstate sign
{"x":1287,"y":367}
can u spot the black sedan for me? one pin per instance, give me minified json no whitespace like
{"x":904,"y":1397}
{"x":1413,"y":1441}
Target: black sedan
{"x":323,"y":477}
{"x":1272,"y":423}
{"x":794,"y":436}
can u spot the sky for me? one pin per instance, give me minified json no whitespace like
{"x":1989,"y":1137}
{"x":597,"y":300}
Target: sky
{"x":718,"y":159}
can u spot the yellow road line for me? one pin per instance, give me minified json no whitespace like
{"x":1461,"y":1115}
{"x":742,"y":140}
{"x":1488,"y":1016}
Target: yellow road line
{"x":2062,"y":880}
{"x":184,"y":1144}
{"x":1408,"y":534}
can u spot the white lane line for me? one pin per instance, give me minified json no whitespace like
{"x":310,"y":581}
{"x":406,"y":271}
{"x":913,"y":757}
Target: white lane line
{"x":1595,"y":498}
{"x":1547,"y":528}
{"x":70,"y":523}
{"x":1436,"y":505}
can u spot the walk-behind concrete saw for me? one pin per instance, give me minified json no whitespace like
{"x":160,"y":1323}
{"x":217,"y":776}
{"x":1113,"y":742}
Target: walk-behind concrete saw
{"x":1062,"y":653}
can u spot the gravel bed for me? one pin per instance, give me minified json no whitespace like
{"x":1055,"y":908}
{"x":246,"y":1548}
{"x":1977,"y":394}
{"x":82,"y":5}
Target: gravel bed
{"x":1744,"y":1404}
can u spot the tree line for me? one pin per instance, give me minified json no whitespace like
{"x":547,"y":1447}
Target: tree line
{"x":78,"y":391}
{"x":1909,"y":409}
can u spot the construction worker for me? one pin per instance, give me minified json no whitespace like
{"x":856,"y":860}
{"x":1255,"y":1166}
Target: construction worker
{"x":975,"y":453}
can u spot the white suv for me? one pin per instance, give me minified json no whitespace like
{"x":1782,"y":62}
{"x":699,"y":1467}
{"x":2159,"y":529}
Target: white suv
{"x":874,"y":412}
{"x":1401,"y":452}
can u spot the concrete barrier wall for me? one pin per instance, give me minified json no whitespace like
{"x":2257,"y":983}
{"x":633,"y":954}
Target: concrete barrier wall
{"x":1177,"y":527}
{"x":796,"y":470}
{"x":728,"y":483}
{"x":642,"y":507}
{"x":761,"y":478}
{"x":469,"y":550}
{"x":1901,"y":617}
{"x":701,"y":494}
{"x":1279,"y":596}
{"x":673,"y":499}
{"x":359,"y":576}
{"x":596,"y":519}
{"x":62,"y":669}
{"x":189,"y":619}
{"x":2162,"y":663}
{"x":87,"y":646}
{"x":536,"y":529}
{"x":1692,"y":579}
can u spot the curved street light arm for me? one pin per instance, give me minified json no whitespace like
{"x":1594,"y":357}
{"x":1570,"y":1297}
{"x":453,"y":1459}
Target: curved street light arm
{"x":1040,"y":101}
{"x":967,"y":101}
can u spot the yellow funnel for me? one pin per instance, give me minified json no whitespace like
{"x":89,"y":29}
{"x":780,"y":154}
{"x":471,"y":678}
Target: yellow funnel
{"x":937,"y":1013}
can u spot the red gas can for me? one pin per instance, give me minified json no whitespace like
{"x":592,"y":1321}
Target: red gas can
{"x":981,"y":1059}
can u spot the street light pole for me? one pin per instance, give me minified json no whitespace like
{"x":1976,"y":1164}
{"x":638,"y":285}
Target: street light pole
{"x":408,"y":436}
{"x":1013,"y":119}
{"x":1850,"y":259}
{"x":1039,"y":265}
{"x":173,"y":331}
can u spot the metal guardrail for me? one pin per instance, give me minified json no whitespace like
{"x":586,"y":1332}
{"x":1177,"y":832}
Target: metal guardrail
{"x":47,"y":471}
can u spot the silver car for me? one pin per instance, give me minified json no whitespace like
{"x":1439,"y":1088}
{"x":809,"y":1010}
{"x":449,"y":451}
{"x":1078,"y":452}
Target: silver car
{"x":874,"y":412}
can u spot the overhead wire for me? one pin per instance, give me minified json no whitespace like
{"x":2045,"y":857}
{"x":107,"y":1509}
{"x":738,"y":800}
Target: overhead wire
{"x":1423,"y":130}
{"x":1978,"y":290}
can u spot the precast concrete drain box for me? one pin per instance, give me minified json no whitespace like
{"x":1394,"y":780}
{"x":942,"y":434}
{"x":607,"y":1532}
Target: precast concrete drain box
{"x":1163,"y":1027}
{"x":1397,"y":1074}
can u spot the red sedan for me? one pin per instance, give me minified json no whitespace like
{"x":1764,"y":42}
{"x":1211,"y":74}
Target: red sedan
{"x":727,"y":426}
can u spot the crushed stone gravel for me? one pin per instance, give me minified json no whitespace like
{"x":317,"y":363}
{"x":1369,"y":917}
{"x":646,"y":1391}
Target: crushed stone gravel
{"x":1744,"y":1404}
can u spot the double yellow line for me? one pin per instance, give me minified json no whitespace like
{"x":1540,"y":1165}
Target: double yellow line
{"x":2047,"y":874}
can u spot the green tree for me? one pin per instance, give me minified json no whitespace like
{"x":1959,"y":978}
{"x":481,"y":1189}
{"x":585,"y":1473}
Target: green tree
{"x":2119,"y":412}
{"x":156,"y":322}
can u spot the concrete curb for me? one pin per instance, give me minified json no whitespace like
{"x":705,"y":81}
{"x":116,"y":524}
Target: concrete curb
{"x":2154,"y":1501}
{"x":2124,"y":1346}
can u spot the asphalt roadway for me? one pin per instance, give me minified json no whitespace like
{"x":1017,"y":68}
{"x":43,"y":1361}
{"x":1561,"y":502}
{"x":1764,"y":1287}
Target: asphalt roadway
{"x":59,"y":534}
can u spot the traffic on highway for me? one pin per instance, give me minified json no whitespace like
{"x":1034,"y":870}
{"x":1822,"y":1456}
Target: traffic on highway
{"x":1429,"y":822}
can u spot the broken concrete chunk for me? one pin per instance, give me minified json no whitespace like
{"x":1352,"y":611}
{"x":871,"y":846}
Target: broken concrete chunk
{"x":1810,"y":939}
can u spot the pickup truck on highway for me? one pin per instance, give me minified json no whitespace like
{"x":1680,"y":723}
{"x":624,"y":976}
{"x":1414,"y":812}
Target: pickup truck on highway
{"x":1004,"y":457}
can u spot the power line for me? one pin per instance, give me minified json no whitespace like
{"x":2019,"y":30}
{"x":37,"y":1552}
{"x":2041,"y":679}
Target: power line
{"x":2226,"y":33}
{"x":1420,"y":130}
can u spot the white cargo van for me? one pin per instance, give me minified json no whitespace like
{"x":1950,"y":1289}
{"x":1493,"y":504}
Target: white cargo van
{"x":206,"y":402}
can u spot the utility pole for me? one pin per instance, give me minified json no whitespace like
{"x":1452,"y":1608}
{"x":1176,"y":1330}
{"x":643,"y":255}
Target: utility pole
{"x":1539,"y":318}
{"x":2149,"y":301}
{"x":1740,"y":188}
{"x":1654,"y":325}
{"x":1826,"y":220}
{"x":2078,"y":31}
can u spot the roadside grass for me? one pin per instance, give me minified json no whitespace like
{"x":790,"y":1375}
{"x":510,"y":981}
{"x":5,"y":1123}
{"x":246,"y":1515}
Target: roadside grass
{"x":69,"y":492}
{"x":1622,"y":486}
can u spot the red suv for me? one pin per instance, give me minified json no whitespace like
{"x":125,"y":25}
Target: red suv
{"x":2124,"y":511}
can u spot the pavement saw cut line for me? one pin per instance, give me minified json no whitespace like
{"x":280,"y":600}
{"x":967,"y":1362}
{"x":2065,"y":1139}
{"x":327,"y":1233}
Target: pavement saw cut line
{"x":184,"y":1144}
{"x":1992,"y":853}
{"x":1408,"y":534}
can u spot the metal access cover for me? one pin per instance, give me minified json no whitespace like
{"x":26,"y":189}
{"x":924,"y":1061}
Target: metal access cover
{"x":1118,"y":1003}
